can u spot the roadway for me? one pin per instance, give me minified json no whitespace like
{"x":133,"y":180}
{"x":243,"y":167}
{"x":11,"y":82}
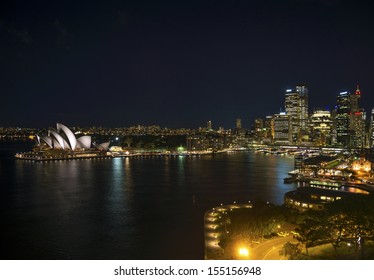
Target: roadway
{"x":270,"y":249}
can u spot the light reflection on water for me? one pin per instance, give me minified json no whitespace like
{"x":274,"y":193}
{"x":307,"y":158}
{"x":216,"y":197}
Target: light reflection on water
{"x":122,"y":208}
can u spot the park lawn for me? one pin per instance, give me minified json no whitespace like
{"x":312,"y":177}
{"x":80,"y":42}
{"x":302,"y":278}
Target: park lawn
{"x":327,"y":252}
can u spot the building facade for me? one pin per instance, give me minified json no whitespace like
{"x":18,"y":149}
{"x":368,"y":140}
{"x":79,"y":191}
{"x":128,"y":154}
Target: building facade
{"x":282,"y":133}
{"x":321,"y":127}
{"x":350,"y":120}
{"x":296,"y":106}
{"x":371,"y":129}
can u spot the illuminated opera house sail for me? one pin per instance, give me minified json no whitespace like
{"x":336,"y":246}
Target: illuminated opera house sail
{"x":63,"y":138}
{"x":62,"y":143}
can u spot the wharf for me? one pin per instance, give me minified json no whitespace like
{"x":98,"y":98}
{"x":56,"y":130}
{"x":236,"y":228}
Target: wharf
{"x":107,"y":155}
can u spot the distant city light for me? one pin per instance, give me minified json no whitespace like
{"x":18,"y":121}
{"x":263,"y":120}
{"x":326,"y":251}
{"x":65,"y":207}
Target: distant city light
{"x":288,"y":90}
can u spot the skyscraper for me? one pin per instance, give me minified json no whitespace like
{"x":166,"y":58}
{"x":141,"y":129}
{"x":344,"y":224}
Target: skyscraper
{"x":282,"y":129}
{"x":296,"y":105}
{"x":321,"y":127}
{"x":357,"y":121}
{"x":372,"y":129}
{"x":259,"y":129}
{"x":209,"y":125}
{"x":350,"y":120}
{"x":343,"y":109}
{"x":238,"y":123}
{"x":268,"y":124}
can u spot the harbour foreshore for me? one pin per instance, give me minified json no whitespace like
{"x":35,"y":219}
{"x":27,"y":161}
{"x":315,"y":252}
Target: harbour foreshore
{"x":37,"y":156}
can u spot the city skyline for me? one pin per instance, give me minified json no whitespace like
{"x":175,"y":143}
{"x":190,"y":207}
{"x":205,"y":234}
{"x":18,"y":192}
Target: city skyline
{"x":235,"y":123}
{"x":178,"y":64}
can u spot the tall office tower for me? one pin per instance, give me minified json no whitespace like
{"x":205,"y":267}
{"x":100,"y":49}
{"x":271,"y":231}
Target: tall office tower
{"x":321,"y":127}
{"x":296,"y":105}
{"x":357,"y":121}
{"x":209,"y":125}
{"x":259,"y":129}
{"x":357,"y":125}
{"x":350,"y":120}
{"x":354,"y":100}
{"x":259,"y":124}
{"x":238,"y":123}
{"x":268,"y":124}
{"x":342,"y":118}
{"x":333,"y":128}
{"x":282,"y":129}
{"x":371,"y":129}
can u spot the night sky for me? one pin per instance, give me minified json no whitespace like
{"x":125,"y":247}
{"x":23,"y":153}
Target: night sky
{"x":177,"y":63}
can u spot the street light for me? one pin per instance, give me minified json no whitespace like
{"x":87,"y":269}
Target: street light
{"x":243,"y":252}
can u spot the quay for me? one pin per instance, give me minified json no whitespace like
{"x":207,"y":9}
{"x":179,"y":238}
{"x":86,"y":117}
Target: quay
{"x":31,"y":156}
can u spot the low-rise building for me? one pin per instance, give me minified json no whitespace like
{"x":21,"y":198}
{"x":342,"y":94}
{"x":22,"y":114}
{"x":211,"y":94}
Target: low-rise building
{"x":316,"y":197}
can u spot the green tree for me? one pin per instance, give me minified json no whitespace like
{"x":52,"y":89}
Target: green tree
{"x":291,"y":250}
{"x":310,"y":232}
{"x":337,"y":228}
{"x":351,"y":219}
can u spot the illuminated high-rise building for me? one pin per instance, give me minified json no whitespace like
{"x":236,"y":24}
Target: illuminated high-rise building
{"x":259,"y":124}
{"x":357,"y":121}
{"x":321,"y":127}
{"x":259,"y":131}
{"x":296,"y":106}
{"x":209,"y":125}
{"x":350,"y":120}
{"x":238,"y":123}
{"x":282,"y":133}
{"x":371,"y":129}
{"x":342,"y":119}
{"x":238,"y":129}
{"x":268,"y":124}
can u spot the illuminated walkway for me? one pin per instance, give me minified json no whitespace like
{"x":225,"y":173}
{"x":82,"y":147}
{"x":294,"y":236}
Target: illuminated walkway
{"x":215,"y":221}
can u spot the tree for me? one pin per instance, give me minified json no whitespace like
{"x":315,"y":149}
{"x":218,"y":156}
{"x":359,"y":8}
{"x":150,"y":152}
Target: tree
{"x":128,"y":141}
{"x":337,"y":228}
{"x":292,"y":250}
{"x":351,"y":219}
{"x":310,"y":232}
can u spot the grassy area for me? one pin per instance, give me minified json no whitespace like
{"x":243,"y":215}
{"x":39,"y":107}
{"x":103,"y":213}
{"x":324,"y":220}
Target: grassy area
{"x":345,"y":252}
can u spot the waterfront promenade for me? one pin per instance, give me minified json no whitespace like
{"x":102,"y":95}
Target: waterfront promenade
{"x":214,"y":228}
{"x":96,"y":155}
{"x":216,"y":221}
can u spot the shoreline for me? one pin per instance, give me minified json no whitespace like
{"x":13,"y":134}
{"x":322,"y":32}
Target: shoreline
{"x":109,"y":155}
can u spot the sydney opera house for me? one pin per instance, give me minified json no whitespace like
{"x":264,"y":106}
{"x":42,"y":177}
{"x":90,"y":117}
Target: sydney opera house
{"x":62,"y":143}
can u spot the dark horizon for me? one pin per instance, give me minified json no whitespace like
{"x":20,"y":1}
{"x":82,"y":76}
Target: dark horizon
{"x":178,"y":64}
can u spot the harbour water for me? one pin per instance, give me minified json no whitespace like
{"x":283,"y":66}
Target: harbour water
{"x":125,"y":208}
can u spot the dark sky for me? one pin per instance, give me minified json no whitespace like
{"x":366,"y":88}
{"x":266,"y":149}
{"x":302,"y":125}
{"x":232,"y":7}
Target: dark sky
{"x":177,"y":63}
